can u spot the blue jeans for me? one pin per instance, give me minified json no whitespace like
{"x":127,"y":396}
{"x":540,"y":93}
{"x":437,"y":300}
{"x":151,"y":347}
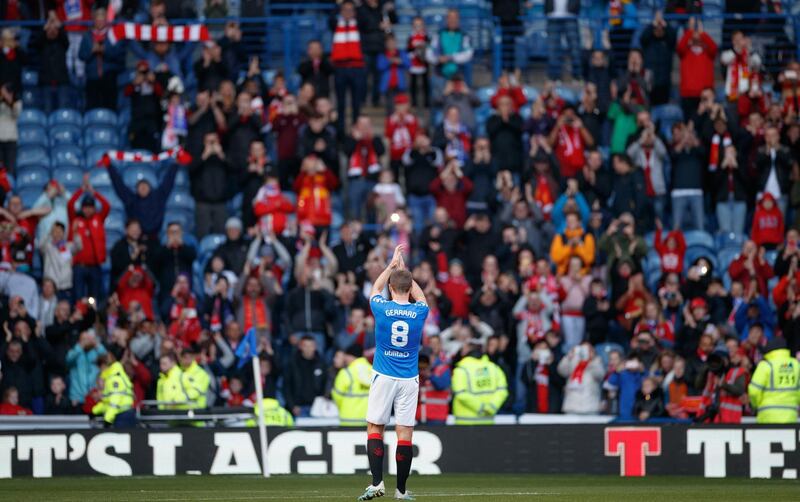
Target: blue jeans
{"x":353,"y":80}
{"x":87,"y":281}
{"x":731,"y":216}
{"x":660,"y":206}
{"x":682,"y":204}
{"x":556,"y":27}
{"x":421,"y":208}
{"x":358,"y":190}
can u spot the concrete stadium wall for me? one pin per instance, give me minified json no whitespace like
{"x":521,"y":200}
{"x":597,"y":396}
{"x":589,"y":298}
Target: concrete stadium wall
{"x":674,"y":449}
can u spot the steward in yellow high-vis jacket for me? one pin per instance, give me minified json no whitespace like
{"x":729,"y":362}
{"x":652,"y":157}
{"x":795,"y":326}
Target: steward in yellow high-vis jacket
{"x":351,"y":388}
{"x":194,"y":378}
{"x":774,"y":390}
{"x":117,"y":390}
{"x":275,"y":415}
{"x":479,"y":390}
{"x":169,"y":389}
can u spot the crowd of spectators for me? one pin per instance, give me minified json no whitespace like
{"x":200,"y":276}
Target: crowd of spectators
{"x":534,"y":237}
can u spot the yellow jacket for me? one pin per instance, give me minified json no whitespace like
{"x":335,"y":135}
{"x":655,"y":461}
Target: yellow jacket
{"x":170,"y":389}
{"x":195,"y":382}
{"x":351,"y":392}
{"x":479,"y":390}
{"x":561,"y":251}
{"x":274,"y":414}
{"x":117,"y":393}
{"x":774,"y":390}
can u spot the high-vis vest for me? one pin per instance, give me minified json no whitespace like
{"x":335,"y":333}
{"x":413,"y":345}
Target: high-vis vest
{"x":730,"y":407}
{"x":775,"y":388}
{"x":274,"y":414}
{"x":195,"y":382}
{"x":479,"y":390}
{"x":351,"y":392}
{"x":117,"y":393}
{"x":170,"y":390}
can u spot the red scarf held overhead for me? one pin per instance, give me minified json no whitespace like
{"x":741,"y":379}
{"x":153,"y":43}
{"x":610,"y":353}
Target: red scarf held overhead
{"x":255,"y":313}
{"x":150,"y":33}
{"x":346,"y":48}
{"x":364,"y":160}
{"x":718,"y":145}
{"x":577,"y":373}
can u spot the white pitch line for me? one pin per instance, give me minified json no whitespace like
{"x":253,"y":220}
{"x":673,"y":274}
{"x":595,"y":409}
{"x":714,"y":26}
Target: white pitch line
{"x":301,"y":495}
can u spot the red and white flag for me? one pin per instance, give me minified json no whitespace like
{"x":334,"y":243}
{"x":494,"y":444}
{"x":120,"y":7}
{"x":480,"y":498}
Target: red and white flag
{"x":150,"y":33}
{"x":180,"y":155}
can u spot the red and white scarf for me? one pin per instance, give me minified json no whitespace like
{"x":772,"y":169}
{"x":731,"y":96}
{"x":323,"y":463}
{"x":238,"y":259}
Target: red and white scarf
{"x":737,"y":80}
{"x":718,"y":145}
{"x":416,"y":46}
{"x":346,"y":48}
{"x":178,"y":153}
{"x":542,"y":377}
{"x":577,"y":373}
{"x":364,"y":160}
{"x":150,"y":33}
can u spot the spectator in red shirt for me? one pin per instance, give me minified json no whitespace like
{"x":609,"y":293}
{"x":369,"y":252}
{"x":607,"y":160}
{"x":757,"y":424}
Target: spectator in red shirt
{"x":569,"y":138}
{"x":508,"y":85}
{"x":271,"y":206}
{"x":451,"y":190}
{"x":671,"y":249}
{"x":697,"y":52}
{"x":88,"y":224}
{"x":767,"y":229}
{"x":751,"y":266}
{"x":10,"y":404}
{"x":454,"y":285}
{"x":136,"y":290}
{"x":313,"y":187}
{"x":401,"y":129}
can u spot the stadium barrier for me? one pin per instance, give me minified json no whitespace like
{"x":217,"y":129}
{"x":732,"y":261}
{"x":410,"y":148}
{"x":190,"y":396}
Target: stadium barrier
{"x":674,"y":449}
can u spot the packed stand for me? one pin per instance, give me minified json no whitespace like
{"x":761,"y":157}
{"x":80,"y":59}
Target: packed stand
{"x":629,"y":250}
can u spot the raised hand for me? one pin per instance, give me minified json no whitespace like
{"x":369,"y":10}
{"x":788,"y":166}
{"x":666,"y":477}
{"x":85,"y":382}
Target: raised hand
{"x":397,"y":260}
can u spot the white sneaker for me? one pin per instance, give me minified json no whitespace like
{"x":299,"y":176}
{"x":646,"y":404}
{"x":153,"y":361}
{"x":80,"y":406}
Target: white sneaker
{"x":403,"y":496}
{"x":373,"y":492}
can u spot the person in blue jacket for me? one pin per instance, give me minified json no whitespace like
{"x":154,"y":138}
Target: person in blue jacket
{"x":757,"y":311}
{"x":147,"y":204}
{"x":393,"y":64}
{"x":625,"y":382}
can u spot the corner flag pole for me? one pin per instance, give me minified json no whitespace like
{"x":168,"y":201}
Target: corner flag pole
{"x":262,"y":426}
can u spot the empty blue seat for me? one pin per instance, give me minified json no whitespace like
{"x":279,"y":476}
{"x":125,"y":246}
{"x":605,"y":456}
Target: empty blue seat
{"x":100,"y":179}
{"x":66,"y":116}
{"x":100,"y":116}
{"x":94,"y":154}
{"x":180,"y":199}
{"x":30,"y":116}
{"x":29,"y":195}
{"x":69,"y":176}
{"x":32,"y":135}
{"x":101,"y":135}
{"x":32,"y":156}
{"x":730,"y":241}
{"x":484,"y":94}
{"x":30,"y":98}
{"x":725,"y":257}
{"x":66,"y":155}
{"x":30,"y":78}
{"x":65,"y":134}
{"x":567,"y":94}
{"x":181,"y":178}
{"x":699,"y":238}
{"x":210,"y":243}
{"x":114,"y":222}
{"x":32,"y":177}
{"x":136,"y":172}
{"x":531,"y":93}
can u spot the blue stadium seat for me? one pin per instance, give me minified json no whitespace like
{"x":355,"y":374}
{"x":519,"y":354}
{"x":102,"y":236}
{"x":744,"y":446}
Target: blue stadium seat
{"x":567,"y":94}
{"x":665,"y":116}
{"x":210,"y":243}
{"x":730,"y":241}
{"x":66,"y":155}
{"x":101,"y":135}
{"x":32,"y":177}
{"x":69,"y":176}
{"x":30,"y":98}
{"x":66,"y":116}
{"x":32,"y":135}
{"x":532,"y":93}
{"x":30,"y":78}
{"x":484,"y":94}
{"x":65,"y":134}
{"x":94,"y":154}
{"x":771,"y":256}
{"x":113,"y":235}
{"x":100,"y":116}
{"x":181,"y":178}
{"x":30,"y":116}
{"x":29,"y":195}
{"x":695,"y":252}
{"x":699,"y":238}
{"x":100,"y":179}
{"x":32,"y":156}
{"x":725,"y":256}
{"x":184,"y":218}
{"x":180,"y":199}
{"x":134,"y":173}
{"x":114,"y":222}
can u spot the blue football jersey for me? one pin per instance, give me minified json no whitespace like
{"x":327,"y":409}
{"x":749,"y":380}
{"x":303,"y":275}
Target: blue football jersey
{"x":398,"y":335}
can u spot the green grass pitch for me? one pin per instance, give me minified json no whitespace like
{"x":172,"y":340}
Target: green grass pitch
{"x":462,"y":488}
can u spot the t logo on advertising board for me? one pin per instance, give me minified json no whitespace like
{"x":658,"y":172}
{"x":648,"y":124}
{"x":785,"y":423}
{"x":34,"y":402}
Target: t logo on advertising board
{"x":632,"y":444}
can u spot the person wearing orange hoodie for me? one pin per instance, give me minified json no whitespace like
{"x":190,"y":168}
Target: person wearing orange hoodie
{"x":767,"y":223}
{"x":574,"y":241}
{"x":313,"y":187}
{"x":671,"y":250}
{"x":271,"y":207}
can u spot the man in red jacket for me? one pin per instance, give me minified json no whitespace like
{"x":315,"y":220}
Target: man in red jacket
{"x":89,"y":225}
{"x":751,"y":266}
{"x":451,"y":190}
{"x":697,"y":52}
